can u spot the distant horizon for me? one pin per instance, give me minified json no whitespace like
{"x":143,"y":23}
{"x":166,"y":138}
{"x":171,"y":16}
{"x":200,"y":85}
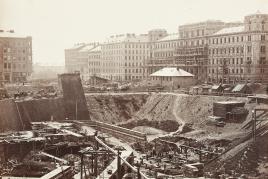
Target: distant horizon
{"x":58,"y":25}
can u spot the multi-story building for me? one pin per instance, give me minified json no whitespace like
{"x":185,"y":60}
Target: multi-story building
{"x":119,"y":58}
{"x":239,"y":54}
{"x":216,"y":51}
{"x":213,"y":51}
{"x":124,"y":56}
{"x":76,"y":59}
{"x":95,"y":64}
{"x":15,"y":57}
{"x":187,"y":50}
{"x":163,"y":53}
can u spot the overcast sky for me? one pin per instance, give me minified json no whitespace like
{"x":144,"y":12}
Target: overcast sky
{"x":58,"y":24}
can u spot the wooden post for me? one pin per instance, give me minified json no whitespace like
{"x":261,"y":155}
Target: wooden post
{"x":139,"y":174}
{"x":81,"y":167}
{"x":254,"y":125}
{"x":186,"y":150}
{"x":96,"y":165}
{"x":92,"y":163}
{"x":118,"y":165}
{"x":200,"y":154}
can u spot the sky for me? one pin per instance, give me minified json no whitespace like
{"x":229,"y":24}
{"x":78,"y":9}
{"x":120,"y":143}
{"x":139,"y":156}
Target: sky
{"x":58,"y":24}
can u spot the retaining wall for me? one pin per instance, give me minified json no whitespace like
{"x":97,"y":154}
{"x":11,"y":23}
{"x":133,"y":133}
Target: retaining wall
{"x":42,"y":110}
{"x":9,"y":116}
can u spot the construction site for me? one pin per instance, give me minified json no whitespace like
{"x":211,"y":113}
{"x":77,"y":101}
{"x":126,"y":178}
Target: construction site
{"x":65,"y":133}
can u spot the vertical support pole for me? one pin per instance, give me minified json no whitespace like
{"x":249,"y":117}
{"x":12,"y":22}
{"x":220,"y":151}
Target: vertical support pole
{"x":76,"y":109}
{"x":252,"y":115}
{"x":5,"y":152}
{"x":200,"y":154}
{"x":139,"y":174}
{"x":118,"y":165}
{"x":92,"y":163}
{"x":254,"y":125}
{"x":96,"y":165}
{"x":186,"y":154}
{"x":82,"y":163}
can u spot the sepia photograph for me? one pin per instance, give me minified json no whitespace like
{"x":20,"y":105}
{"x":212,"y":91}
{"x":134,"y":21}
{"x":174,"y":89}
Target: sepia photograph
{"x":133,"y":89}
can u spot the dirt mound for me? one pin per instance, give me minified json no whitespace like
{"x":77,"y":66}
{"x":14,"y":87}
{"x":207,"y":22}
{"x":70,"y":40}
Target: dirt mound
{"x":158,"y":107}
{"x":194,"y":110}
{"x":114,"y":108}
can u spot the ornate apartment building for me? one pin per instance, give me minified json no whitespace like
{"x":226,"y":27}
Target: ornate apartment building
{"x":77,"y":59}
{"x":119,"y":58}
{"x":215,"y":51}
{"x":239,"y":54}
{"x":15,"y":57}
{"x":94,"y":61}
{"x":124,"y":56}
{"x":187,"y":50}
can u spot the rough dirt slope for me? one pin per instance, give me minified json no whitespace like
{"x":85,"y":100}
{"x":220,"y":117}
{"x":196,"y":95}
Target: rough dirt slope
{"x":114,"y":108}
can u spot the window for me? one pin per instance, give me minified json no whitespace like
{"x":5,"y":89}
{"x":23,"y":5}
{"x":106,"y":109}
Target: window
{"x":262,"y":37}
{"x":262,"y":60}
{"x":249,"y":49}
{"x":262,"y":49}
{"x":249,"y":38}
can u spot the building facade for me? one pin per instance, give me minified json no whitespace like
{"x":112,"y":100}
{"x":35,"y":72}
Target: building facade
{"x":94,"y":61}
{"x":119,"y":58}
{"x":213,"y":51}
{"x":239,"y":54}
{"x":77,"y":59}
{"x":124,"y":57}
{"x":15,"y":57}
{"x":217,"y":52}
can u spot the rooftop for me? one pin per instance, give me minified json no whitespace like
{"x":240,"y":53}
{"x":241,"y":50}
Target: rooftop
{"x":87,"y":47}
{"x":126,"y":38}
{"x":230,"y":30}
{"x":172,"y":72}
{"x":239,"y":87}
{"x":95,"y":49}
{"x":174,"y":36}
{"x":202,"y":23}
{"x":11,"y":34}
